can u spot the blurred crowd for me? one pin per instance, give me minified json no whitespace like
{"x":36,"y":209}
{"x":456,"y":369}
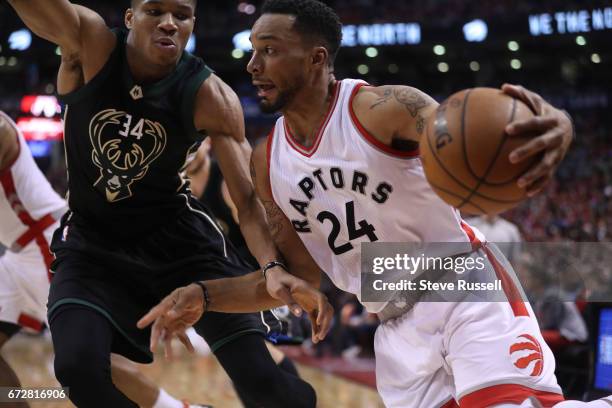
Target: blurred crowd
{"x":577,"y":206}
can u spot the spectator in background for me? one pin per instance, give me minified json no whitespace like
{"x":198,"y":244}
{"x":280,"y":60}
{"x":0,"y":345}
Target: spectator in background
{"x":357,"y":327}
{"x":541,"y":275}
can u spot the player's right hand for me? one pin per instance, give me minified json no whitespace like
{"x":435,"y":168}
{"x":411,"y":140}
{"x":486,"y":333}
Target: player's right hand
{"x":300,"y":295}
{"x":551,"y":133}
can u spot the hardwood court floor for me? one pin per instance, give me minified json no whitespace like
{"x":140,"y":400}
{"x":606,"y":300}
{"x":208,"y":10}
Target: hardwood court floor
{"x":198,"y":379}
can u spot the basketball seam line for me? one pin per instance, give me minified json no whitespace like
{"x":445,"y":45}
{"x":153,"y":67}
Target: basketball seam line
{"x":456,"y":195}
{"x":463,"y":141}
{"x":497,"y":153}
{"x":460,"y":183}
{"x":465,"y":158}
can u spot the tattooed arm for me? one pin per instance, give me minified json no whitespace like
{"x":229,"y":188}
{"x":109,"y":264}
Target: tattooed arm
{"x":394,"y":114}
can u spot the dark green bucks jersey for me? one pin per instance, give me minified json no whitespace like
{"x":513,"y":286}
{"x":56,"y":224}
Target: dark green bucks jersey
{"x":126,"y":144}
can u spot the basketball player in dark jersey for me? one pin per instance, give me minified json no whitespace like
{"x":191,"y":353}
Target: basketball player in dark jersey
{"x":136,"y":106}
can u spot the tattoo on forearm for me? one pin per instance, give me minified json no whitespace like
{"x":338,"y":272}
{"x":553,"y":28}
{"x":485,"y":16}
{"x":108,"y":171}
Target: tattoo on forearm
{"x":275,"y":218}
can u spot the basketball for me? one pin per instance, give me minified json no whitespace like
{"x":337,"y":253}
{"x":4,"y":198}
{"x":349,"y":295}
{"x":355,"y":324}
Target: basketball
{"x":465,"y":151}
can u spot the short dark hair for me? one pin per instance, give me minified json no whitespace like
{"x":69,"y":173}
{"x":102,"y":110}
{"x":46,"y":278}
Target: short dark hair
{"x":313,"y":19}
{"x":134,"y":2}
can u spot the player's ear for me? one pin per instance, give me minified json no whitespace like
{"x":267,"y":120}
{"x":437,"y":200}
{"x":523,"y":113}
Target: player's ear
{"x":129,"y":18}
{"x":319,"y":56}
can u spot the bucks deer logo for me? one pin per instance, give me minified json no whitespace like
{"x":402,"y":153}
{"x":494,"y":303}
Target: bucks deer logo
{"x":123,"y":151}
{"x":526,"y":354}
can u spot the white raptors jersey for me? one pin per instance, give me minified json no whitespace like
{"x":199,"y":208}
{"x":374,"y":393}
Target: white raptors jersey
{"x":28,"y":203}
{"x":349,"y":188}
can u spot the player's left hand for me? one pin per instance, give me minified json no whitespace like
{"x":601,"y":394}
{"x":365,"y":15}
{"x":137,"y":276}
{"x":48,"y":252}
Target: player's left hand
{"x":300,"y":295}
{"x":554,"y":131}
{"x":177,"y":312}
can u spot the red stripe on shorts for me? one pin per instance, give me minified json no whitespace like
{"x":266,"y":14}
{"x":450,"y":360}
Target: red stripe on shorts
{"x":509,"y":394}
{"x":451,"y":404}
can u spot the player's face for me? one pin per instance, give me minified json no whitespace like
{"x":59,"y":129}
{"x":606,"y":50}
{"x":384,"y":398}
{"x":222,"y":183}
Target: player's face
{"x":161,"y":28}
{"x":278,"y":65}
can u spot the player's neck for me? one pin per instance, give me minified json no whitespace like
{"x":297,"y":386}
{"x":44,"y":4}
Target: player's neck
{"x":308,"y":110}
{"x":143,"y":72}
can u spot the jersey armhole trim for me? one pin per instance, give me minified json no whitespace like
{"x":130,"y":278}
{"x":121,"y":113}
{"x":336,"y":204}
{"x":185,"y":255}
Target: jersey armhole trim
{"x":91,"y":86}
{"x":189,"y":102}
{"x":268,"y":155}
{"x":371,"y":139}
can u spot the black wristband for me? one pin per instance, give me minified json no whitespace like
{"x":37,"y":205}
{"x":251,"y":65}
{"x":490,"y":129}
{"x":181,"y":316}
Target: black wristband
{"x":270,"y":265}
{"x":205,"y":293}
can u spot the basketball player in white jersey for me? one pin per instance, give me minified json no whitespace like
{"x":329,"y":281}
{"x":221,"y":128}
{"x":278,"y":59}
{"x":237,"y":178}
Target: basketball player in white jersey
{"x":29,"y":210}
{"x":341,"y":168}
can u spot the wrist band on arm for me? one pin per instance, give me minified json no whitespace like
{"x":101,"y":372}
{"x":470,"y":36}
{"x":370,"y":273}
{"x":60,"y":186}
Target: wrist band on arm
{"x":205,"y":293}
{"x":271,"y":265}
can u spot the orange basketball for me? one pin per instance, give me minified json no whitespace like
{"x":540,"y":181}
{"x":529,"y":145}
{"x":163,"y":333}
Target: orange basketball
{"x":465,"y":151}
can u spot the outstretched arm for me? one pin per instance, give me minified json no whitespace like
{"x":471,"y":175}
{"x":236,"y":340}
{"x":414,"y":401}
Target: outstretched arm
{"x":251,"y":292}
{"x":54,"y":20}
{"x":396,"y":116}
{"x":219,"y":112}
{"x":84,"y":38}
{"x":221,"y":116}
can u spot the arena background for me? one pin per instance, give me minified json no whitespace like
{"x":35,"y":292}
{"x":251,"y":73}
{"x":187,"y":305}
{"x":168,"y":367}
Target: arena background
{"x":561,"y":49}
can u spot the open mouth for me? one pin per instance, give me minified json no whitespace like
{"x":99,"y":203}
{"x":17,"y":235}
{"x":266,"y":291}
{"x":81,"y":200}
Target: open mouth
{"x":166,"y":43}
{"x":264,"y":90}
